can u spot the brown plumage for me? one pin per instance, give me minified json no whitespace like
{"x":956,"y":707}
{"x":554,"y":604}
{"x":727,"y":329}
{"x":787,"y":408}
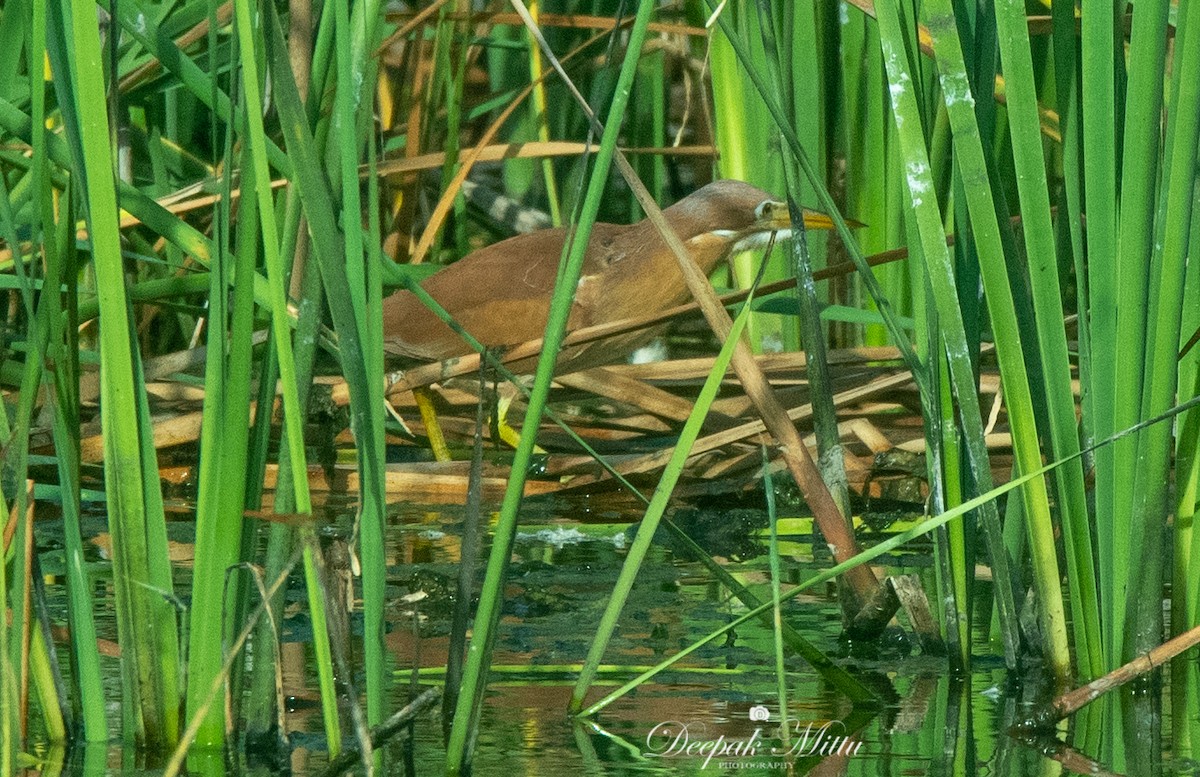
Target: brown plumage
{"x":501,"y":293}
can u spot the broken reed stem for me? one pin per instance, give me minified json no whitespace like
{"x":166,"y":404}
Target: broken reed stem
{"x":350,"y":756}
{"x":1072,"y":701}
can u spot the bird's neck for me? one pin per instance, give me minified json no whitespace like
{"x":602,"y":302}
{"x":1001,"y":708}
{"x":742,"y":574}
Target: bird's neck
{"x":707,"y":248}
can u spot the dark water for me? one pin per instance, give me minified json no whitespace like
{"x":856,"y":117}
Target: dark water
{"x":565,"y":561}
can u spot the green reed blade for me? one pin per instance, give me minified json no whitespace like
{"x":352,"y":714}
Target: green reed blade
{"x":541,"y":119}
{"x":10,"y":693}
{"x":1185,"y":583}
{"x":952,"y":547}
{"x":781,"y":682}
{"x":374,"y":491}
{"x":12,"y":38}
{"x":1052,"y":342}
{"x":1135,"y":306}
{"x":329,"y":252}
{"x":42,"y":678}
{"x":1071,"y":211}
{"x":63,"y":397}
{"x":871,"y":147}
{"x":460,"y":744}
{"x":1098,"y":101}
{"x":366,"y":294}
{"x":151,"y":701}
{"x":224,"y":449}
{"x":1167,"y":275}
{"x":1185,"y":591}
{"x":293,"y":413}
{"x":940,"y":274}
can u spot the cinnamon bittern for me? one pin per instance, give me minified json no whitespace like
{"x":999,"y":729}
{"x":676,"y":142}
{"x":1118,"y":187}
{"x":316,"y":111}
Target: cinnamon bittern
{"x":501,"y":294}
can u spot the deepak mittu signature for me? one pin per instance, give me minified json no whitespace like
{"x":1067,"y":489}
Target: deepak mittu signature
{"x":676,"y":739}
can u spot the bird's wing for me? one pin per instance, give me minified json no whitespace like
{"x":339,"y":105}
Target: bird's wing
{"x":500,"y":294}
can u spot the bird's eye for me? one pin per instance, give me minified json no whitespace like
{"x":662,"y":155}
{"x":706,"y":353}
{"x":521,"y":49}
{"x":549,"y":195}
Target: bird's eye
{"x":763,"y":210}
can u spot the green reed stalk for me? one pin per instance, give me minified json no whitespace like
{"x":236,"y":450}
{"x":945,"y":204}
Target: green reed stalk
{"x":1185,"y":610}
{"x":145,"y":621}
{"x":218,"y":535}
{"x":1187,"y":462}
{"x":869,"y":147}
{"x":10,"y":664}
{"x":956,"y":583}
{"x":261,"y":714}
{"x":729,"y":107}
{"x":1185,"y":583}
{"x":62,"y":392}
{"x":652,"y":104}
{"x":261,"y":706}
{"x":1047,"y":298}
{"x":10,"y":37}
{"x":541,"y":119}
{"x":345,"y":142}
{"x":460,"y":745}
{"x":374,"y":491}
{"x":1067,"y":88}
{"x":1098,"y":101}
{"x":1167,"y":274}
{"x":293,"y":414}
{"x":366,"y":292}
{"x":160,"y":580}
{"x":781,"y":683}
{"x":224,"y":442}
{"x":42,"y":677}
{"x":10,"y":693}
{"x":329,"y":251}
{"x":443,"y":106}
{"x":941,"y":278}
{"x":40,"y":172}
{"x":1137,"y":203}
{"x":22,"y":618}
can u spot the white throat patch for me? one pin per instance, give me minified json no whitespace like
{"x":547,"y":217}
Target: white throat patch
{"x":760,"y":240}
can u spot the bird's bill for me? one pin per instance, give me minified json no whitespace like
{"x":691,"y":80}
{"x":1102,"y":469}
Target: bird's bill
{"x":817,"y":220}
{"x":774,"y":216}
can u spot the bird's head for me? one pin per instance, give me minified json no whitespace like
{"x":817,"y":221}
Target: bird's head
{"x":737,"y":212}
